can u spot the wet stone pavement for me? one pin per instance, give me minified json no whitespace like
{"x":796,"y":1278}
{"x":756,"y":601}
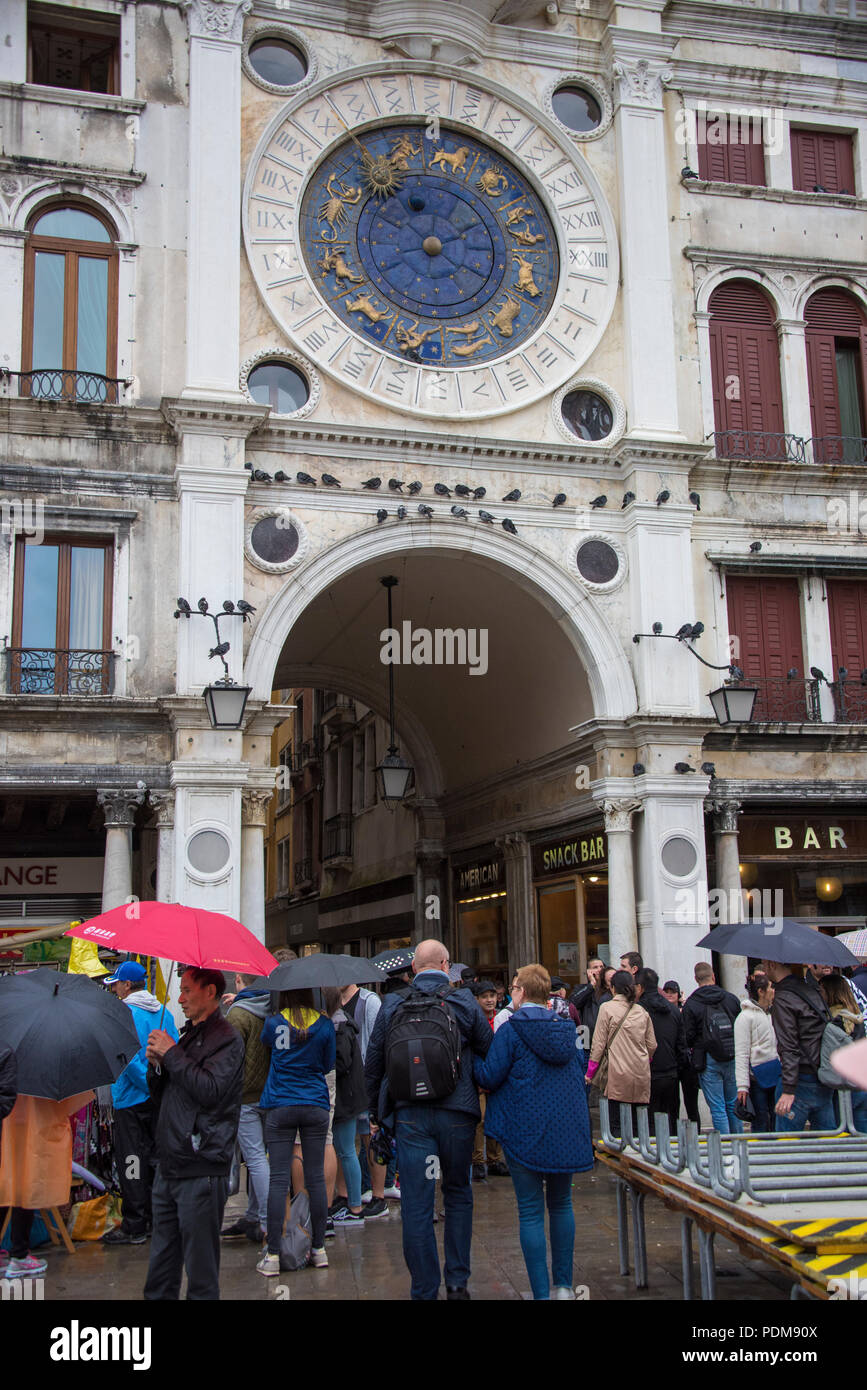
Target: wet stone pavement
{"x":367,"y":1263}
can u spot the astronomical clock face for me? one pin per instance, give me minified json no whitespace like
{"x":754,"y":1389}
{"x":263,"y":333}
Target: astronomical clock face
{"x":429,"y":243}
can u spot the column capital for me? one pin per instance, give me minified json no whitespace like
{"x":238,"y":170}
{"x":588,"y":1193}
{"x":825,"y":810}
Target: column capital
{"x":514,"y":846}
{"x":119,"y":807}
{"x":619,"y":812}
{"x":725,"y":816}
{"x":254,"y":805}
{"x":639,"y":81}
{"x":216,"y":19}
{"x":163,"y":806}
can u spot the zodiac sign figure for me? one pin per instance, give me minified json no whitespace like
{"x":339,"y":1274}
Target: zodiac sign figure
{"x":402,"y":151}
{"x":333,"y":210}
{"x":334,"y":260}
{"x":525,"y":237}
{"x":468,"y":328}
{"x":455,"y":159}
{"x":525,"y":280}
{"x":490,"y":181}
{"x":507,"y":311}
{"x":410,"y":339}
{"x":518,"y":214}
{"x":468,"y":348}
{"x":363,"y":304}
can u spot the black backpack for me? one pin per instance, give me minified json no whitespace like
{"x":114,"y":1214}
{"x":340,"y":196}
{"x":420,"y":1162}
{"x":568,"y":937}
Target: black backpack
{"x":422,"y":1048}
{"x":718,"y":1033}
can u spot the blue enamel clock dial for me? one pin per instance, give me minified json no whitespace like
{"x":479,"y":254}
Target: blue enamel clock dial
{"x":437,"y":251}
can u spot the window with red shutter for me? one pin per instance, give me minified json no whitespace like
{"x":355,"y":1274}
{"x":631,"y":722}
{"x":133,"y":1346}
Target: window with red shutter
{"x":847,"y":614}
{"x":765,"y":623}
{"x":822,"y":160}
{"x":745,"y":373}
{"x":736,"y":161}
{"x":836,"y":337}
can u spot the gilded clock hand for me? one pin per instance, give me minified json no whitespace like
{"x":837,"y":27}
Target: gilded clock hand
{"x":382,"y":172}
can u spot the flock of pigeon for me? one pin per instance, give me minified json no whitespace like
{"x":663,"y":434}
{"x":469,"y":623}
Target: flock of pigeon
{"x":475,"y":494}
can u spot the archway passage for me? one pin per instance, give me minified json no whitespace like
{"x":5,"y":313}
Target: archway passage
{"x":488,"y":675}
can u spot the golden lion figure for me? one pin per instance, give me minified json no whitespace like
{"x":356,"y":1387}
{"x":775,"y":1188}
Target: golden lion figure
{"x":507,"y":311}
{"x":333,"y":210}
{"x":363,"y":304}
{"x":334,"y":260}
{"x":525,"y":280}
{"x":455,"y":159}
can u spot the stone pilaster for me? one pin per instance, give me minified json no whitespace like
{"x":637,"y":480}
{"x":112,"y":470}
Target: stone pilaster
{"x":622,"y":925}
{"x":522,"y":940}
{"x":119,"y":808}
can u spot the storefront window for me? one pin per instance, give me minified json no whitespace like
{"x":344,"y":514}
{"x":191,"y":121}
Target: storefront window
{"x":482,"y":935}
{"x":572,"y":902}
{"x":807,"y":866}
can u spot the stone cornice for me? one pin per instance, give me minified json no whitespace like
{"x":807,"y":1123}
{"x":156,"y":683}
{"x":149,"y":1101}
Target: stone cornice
{"x":236,"y":421}
{"x":60,"y":96}
{"x":799,"y":562}
{"x":768,"y":28}
{"x":68,"y":420}
{"x":81,"y":777}
{"x":712,"y":82}
{"x":750,"y":259}
{"x":784,"y":789}
{"x":759,"y":193}
{"x":767,"y":476}
{"x":42,"y":478}
{"x":33,"y":167}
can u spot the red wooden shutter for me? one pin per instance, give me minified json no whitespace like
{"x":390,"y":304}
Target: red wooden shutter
{"x":765,"y":617}
{"x":746,"y":162}
{"x":805,"y":163}
{"x":847,"y":611}
{"x":820,"y":158}
{"x":831,"y":314}
{"x":745,"y":360}
{"x":713,"y":162}
{"x":824,"y":401}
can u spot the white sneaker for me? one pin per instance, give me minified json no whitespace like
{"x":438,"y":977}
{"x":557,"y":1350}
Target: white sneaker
{"x":563,"y":1292}
{"x":393,"y":1193}
{"x":366,"y":1197}
{"x":318,"y":1258}
{"x":269,"y":1265}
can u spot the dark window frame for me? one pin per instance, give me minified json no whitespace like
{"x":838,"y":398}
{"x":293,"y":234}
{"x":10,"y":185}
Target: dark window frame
{"x":66,"y":543}
{"x":75,"y":24}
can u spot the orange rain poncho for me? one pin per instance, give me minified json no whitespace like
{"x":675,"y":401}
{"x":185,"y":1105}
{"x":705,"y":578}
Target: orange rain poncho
{"x":36,"y":1152}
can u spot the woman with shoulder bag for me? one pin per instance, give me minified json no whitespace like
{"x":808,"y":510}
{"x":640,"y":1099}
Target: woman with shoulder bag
{"x":623,"y":1044}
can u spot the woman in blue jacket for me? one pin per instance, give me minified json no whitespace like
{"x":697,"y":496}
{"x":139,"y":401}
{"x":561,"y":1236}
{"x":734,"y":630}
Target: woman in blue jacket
{"x":295,"y":1100}
{"x":537,"y":1109}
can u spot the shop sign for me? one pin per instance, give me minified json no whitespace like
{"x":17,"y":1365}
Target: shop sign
{"x":28,"y":878}
{"x":587,"y":850}
{"x":802,"y":837}
{"x":488,"y":875}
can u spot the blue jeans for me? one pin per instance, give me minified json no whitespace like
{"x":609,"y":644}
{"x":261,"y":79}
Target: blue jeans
{"x":433,"y":1142}
{"x":532,"y":1189}
{"x":813,"y":1102}
{"x":721,"y":1092}
{"x":344,"y":1132}
{"x":251,"y":1137}
{"x":859,"y":1110}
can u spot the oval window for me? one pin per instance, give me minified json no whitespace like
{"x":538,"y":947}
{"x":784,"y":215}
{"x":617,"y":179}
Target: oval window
{"x":587,"y":415}
{"x":576,"y":108}
{"x":597,"y":562}
{"x":278,"y":62}
{"x":274,"y":539}
{"x":277,"y":384}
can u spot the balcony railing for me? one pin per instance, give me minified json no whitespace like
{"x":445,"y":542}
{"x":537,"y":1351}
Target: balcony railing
{"x":850,"y":697}
{"x":338,"y":711}
{"x":52,"y":671}
{"x":785,"y":700}
{"x":57,"y":384}
{"x":338,"y":837}
{"x":839,"y":448}
{"x":303,"y":873}
{"x":310,"y":752}
{"x":760,"y":445}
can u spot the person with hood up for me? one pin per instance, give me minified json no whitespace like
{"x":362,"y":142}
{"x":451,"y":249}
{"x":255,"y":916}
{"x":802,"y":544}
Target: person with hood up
{"x":708,"y":1017}
{"x":537,"y":1109}
{"x":757,"y":1065}
{"x":669,"y":1062}
{"x":134,"y":1110}
{"x":250,"y":1007}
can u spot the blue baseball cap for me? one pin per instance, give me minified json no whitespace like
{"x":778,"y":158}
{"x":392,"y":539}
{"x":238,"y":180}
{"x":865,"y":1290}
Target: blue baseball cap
{"x":130,"y":970}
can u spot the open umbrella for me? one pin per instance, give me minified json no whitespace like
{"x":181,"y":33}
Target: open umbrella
{"x":207,"y":939}
{"x":855,"y":941}
{"x":783,"y":940}
{"x":69,"y":1035}
{"x":394,"y":959}
{"x":318,"y":971}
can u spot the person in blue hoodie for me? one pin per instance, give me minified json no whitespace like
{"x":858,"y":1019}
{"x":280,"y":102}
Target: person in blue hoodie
{"x":537,"y":1109}
{"x":303,"y":1047}
{"x":134,"y":1114}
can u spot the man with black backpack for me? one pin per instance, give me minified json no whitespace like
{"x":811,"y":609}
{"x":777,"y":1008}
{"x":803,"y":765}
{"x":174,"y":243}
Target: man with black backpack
{"x":708,"y":1018}
{"x":419,"y":1074}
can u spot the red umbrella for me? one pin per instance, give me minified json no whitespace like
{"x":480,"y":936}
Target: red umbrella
{"x":188,"y":934}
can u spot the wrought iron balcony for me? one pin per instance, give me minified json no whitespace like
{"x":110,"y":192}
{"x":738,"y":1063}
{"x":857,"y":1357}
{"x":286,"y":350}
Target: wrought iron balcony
{"x":303,"y":874}
{"x":338,"y":838}
{"x":338,"y":711}
{"x":790,"y":699}
{"x":760,"y":445}
{"x":310,"y":752}
{"x":53,"y":671}
{"x":839,"y":448}
{"x":850,"y":697}
{"x":58,"y":384}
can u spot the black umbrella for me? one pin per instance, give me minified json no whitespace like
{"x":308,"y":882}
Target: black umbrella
{"x":781,"y":939}
{"x":67,"y":1032}
{"x":319,"y":971}
{"x":398,"y":959}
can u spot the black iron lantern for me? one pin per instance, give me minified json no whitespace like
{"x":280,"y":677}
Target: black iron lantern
{"x":394,"y":777}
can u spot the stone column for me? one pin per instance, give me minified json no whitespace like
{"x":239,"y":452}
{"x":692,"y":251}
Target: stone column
{"x":163,"y":803}
{"x":254,"y":805}
{"x":794,"y":379}
{"x":622,"y":925}
{"x":430,"y":884}
{"x":522,"y":940}
{"x":733,"y":969}
{"x":119,"y":808}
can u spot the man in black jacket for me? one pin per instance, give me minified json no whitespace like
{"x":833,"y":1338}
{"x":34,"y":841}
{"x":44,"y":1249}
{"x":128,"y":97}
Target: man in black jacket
{"x":799,"y":1015}
{"x":708,"y":1018}
{"x":669,"y":1061}
{"x":196,"y":1083}
{"x":434,"y":1137}
{"x":8,"y":1080}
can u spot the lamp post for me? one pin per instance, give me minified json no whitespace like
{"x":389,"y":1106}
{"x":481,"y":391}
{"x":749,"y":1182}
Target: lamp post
{"x":394,"y":777}
{"x":732,"y":702}
{"x":225,"y":700}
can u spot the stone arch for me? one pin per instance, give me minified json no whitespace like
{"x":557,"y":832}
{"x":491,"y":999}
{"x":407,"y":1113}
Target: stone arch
{"x":609,"y":674}
{"x":711,"y":282}
{"x":829,"y":282}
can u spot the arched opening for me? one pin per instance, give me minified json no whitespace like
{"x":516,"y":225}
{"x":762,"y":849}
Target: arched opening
{"x":837,"y":371}
{"x":745,"y":372}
